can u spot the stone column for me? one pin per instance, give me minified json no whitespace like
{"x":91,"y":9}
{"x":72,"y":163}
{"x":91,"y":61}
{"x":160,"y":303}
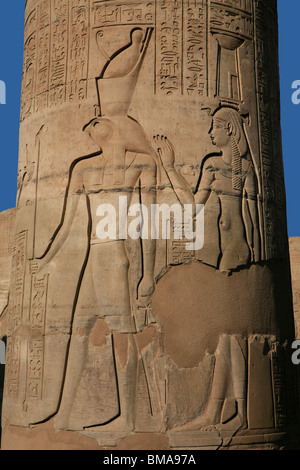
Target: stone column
{"x":155,"y":337}
{"x":295,"y":269}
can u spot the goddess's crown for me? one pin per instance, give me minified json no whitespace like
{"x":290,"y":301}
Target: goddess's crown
{"x":115,"y":93}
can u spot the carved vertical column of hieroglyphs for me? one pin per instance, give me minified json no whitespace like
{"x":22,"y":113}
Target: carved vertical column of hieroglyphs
{"x":56,"y":44}
{"x":276,"y":239}
{"x":181,"y":58}
{"x":267,"y":80}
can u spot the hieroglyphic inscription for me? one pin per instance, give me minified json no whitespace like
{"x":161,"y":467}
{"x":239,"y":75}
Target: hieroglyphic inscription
{"x":274,"y":102}
{"x":231,"y":26}
{"x":36,"y":346}
{"x":17,"y":282}
{"x":284,"y":387}
{"x":58,"y":62}
{"x":13,"y":355}
{"x":43,"y":50}
{"x":7,"y":228}
{"x":59,"y":50}
{"x":195,"y":47}
{"x":130,"y":13}
{"x":169,"y":46}
{"x":234,"y":17}
{"x":38,"y":303}
{"x":278,"y":387}
{"x":245,"y":5}
{"x":177,"y":252}
{"x":35,"y":369}
{"x":56,"y":54}
{"x":30,"y":46}
{"x":78,"y":50}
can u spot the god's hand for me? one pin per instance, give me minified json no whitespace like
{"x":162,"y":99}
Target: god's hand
{"x":37,"y":267}
{"x":165,"y":150}
{"x":146,"y":288}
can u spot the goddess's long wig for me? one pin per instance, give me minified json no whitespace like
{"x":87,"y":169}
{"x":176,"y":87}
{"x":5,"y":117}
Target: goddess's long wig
{"x":232,"y":121}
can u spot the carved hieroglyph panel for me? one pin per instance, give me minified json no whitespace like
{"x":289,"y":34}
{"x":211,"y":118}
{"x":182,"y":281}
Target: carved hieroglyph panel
{"x":295,"y":269}
{"x":7,"y":221}
{"x":207,"y":52}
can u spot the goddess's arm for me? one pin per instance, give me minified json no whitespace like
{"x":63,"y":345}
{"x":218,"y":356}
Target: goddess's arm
{"x":148,"y":199}
{"x":183,"y":191}
{"x":204,"y":188}
{"x":253,"y":233}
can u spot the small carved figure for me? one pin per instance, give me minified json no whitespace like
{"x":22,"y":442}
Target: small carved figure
{"x":231,"y":176}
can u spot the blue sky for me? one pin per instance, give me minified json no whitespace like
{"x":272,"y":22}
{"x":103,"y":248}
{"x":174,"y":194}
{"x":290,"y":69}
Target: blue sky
{"x":289,"y":38}
{"x":11,"y":56}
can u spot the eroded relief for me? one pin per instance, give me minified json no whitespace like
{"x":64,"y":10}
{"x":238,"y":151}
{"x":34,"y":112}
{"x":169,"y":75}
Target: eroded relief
{"x":125,"y":160}
{"x":134,"y":105}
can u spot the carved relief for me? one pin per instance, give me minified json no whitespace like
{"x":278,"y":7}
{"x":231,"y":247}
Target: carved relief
{"x":268,"y":113}
{"x":176,"y":248}
{"x":137,"y":13}
{"x":30,"y":46}
{"x":78,"y":50}
{"x":25,"y":175}
{"x":7,"y":227}
{"x":35,"y":369}
{"x":169,"y":59}
{"x":233,"y":405}
{"x":59,"y":51}
{"x":228,"y":180}
{"x":230,"y":25}
{"x":13,"y":356}
{"x":56,"y":55}
{"x":43,"y":52}
{"x":38,"y":303}
{"x":17,"y":281}
{"x":129,"y":164}
{"x":227,"y":404}
{"x":195,"y":47}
